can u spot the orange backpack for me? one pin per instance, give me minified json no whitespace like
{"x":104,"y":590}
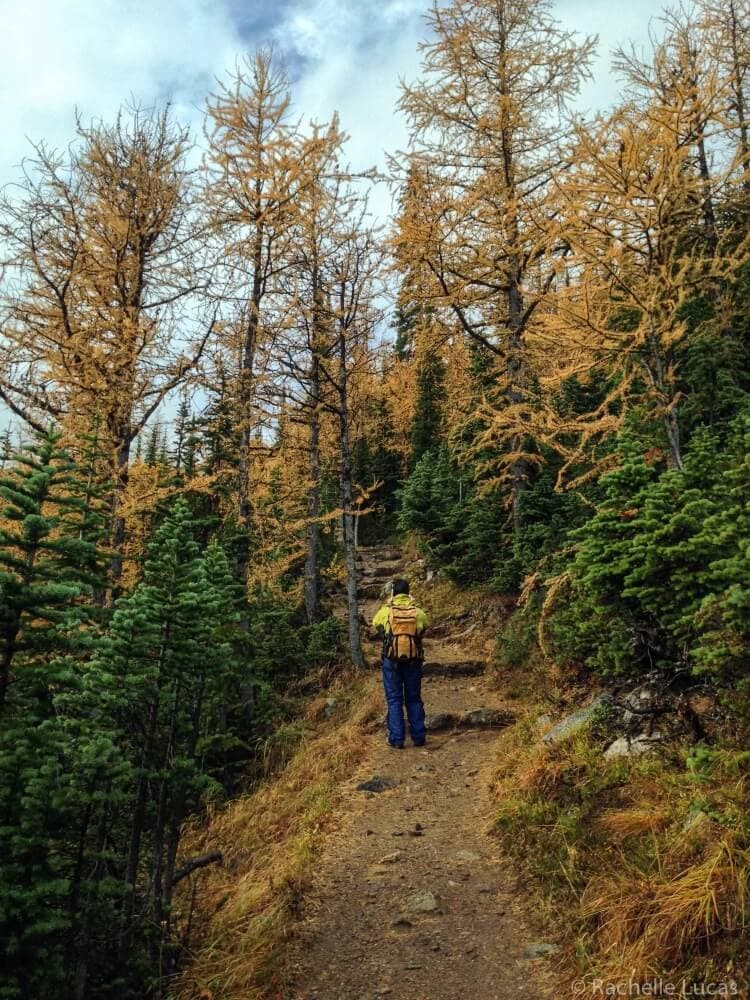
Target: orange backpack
{"x":402,"y":641}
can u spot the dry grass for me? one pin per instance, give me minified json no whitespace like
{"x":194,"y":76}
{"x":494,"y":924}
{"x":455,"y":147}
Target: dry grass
{"x":244,"y":909}
{"x":633,"y":886}
{"x":442,"y":599}
{"x":541,"y":774}
{"x":623,"y":823}
{"x":648,"y":923}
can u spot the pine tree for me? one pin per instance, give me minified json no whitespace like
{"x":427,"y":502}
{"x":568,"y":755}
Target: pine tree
{"x":429,"y":497}
{"x":168,"y":665}
{"x":426,"y":431}
{"x":54,"y":773}
{"x":376,"y":459}
{"x":48,"y":553}
{"x":723,"y":620}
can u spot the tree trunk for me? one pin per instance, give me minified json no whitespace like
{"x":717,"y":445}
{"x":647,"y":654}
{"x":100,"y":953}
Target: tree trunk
{"x":9,"y":649}
{"x":347,"y":507}
{"x":177,"y":816}
{"x":739,"y":96}
{"x":519,"y":468}
{"x":159,"y":838}
{"x":672,"y":429}
{"x":73,"y":949}
{"x":514,"y":296}
{"x":666,"y":393}
{"x":136,"y":832}
{"x":312,"y":531}
{"x":80,"y":971}
{"x":13,"y":626}
{"x":709,"y":214}
{"x":245,"y":401}
{"x":117,"y":533}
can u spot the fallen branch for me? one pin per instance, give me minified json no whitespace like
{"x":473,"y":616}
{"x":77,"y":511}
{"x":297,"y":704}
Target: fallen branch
{"x":201,"y":862}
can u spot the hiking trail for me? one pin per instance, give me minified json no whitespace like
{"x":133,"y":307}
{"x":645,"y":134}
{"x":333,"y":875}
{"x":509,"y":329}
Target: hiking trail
{"x":410,"y":898}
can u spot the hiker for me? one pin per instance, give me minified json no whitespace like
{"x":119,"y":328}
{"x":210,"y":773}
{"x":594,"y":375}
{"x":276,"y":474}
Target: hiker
{"x":401,"y":624}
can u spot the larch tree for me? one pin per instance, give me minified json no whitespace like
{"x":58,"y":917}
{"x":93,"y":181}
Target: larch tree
{"x":352,"y":276}
{"x":639,"y":211}
{"x":725,"y":26}
{"x":104,"y":285}
{"x":487,"y":137}
{"x":253,"y":175}
{"x":308,"y":336}
{"x":682,"y":75}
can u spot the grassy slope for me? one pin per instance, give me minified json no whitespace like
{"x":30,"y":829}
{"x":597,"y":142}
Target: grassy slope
{"x":641,"y":865}
{"x":243,"y":910}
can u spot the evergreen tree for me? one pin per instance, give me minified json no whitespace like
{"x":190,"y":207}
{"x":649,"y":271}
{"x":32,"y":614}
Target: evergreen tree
{"x":153,"y":445}
{"x":48,"y":553}
{"x":429,"y":497}
{"x":426,"y":432}
{"x":167,"y":656}
{"x":404,"y":322}
{"x":55,"y":774}
{"x":653,"y":559}
{"x":723,"y":620}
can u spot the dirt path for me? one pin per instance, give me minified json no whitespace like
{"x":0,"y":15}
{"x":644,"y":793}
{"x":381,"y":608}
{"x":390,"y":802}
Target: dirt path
{"x":410,"y":899}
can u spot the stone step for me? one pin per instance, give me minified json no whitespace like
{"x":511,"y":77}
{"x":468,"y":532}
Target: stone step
{"x":372,"y":575}
{"x":477,"y":718}
{"x":465,"y":668}
{"x":379,"y":552}
{"x":390,"y":564}
{"x":381,"y":572}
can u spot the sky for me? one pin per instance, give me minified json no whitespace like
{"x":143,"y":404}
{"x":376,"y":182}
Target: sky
{"x":92,"y":56}
{"x":57,"y":56}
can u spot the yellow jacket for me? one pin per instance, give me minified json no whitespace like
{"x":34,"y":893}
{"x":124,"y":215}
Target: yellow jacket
{"x":399,"y":601}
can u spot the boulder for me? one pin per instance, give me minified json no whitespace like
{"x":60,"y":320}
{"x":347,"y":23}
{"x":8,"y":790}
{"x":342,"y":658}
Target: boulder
{"x":391,"y":859}
{"x":639,"y":702}
{"x":627,"y":747}
{"x":441,"y":720}
{"x":477,"y":718}
{"x":572,"y":723}
{"x":467,"y":668}
{"x":695,"y":820}
{"x":488,"y":718}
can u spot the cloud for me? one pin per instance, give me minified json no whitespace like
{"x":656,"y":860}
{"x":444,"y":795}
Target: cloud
{"x":349,"y":59}
{"x":56,"y":55}
{"x":616,"y":25}
{"x":345,"y":56}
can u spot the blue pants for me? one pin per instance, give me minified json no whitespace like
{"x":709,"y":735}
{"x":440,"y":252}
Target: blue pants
{"x":403,"y":685}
